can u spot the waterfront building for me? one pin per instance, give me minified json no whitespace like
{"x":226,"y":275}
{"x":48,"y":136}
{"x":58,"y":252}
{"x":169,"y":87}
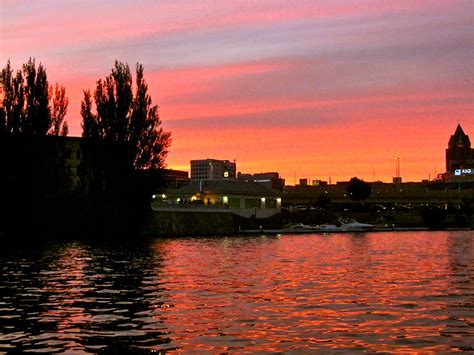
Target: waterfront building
{"x":51,"y":183}
{"x":460,"y":155}
{"x":271,"y":180}
{"x":247,"y":199}
{"x":61,"y":165}
{"x":206,"y":169}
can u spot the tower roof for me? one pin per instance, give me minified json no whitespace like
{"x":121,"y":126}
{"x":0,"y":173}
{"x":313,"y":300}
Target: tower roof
{"x":459,"y":139}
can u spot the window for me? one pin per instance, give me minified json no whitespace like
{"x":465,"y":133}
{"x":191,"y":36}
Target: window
{"x":270,"y":203}
{"x":234,"y":202}
{"x":253,"y":203}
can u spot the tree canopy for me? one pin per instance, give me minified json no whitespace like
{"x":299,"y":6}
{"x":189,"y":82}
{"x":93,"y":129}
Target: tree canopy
{"x":358,"y":189}
{"x":125,"y":114}
{"x":322,"y":201}
{"x":29,"y":105}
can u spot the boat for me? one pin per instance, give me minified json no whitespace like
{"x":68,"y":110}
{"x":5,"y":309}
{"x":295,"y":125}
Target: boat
{"x":340,"y":225}
{"x":351,"y":225}
{"x":300,"y":228}
{"x":328,"y":228}
{"x":304,"y":228}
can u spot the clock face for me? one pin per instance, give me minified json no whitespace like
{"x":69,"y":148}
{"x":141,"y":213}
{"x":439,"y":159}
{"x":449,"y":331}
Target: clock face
{"x":226,"y":174}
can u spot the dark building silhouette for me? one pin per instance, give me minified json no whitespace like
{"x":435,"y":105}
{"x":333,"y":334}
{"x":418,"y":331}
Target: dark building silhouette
{"x":459,"y":155}
{"x":270,"y":179}
{"x":157,"y":181}
{"x":54,"y":185}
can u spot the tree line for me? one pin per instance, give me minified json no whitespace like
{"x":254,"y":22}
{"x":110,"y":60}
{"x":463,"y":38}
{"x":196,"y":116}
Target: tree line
{"x":117,"y":111}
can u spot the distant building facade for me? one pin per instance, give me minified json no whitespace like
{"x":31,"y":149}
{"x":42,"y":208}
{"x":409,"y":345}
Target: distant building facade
{"x":319,"y":183}
{"x":303,"y":182}
{"x":212,"y":169}
{"x":270,"y":180}
{"x":459,"y":155}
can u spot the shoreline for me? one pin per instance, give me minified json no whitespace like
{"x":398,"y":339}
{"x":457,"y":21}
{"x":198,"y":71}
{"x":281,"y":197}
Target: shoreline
{"x":380,"y":229}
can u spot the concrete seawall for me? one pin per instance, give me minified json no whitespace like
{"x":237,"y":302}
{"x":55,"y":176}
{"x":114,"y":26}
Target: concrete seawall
{"x":188,"y":223}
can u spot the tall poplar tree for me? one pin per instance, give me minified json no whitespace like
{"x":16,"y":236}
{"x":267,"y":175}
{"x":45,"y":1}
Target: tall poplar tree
{"x":59,"y":125}
{"x":27,"y":105}
{"x":125,"y":114}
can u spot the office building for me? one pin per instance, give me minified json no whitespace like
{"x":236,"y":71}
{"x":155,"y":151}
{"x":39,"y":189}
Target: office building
{"x":212,"y":169}
{"x":459,"y":155}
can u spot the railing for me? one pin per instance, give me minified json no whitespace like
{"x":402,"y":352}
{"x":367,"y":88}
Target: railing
{"x":186,"y":206}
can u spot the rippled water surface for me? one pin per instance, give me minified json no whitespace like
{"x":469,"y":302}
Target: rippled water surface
{"x":372,"y":292}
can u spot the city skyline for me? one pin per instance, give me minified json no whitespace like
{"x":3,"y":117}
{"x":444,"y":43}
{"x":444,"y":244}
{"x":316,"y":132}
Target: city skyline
{"x":334,"y":89}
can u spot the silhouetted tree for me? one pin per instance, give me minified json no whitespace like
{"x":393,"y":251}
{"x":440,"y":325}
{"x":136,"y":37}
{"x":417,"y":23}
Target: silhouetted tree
{"x":2,"y":122}
{"x":124,"y":116}
{"x":60,"y":103}
{"x":13,"y":99}
{"x":323,"y":201}
{"x":358,"y":189}
{"x":26,"y":105}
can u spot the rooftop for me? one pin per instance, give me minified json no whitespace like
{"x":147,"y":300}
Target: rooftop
{"x":231,"y":187}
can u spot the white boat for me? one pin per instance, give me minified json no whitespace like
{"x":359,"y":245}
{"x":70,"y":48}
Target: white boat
{"x":352,"y":225}
{"x":304,"y":228}
{"x":349,"y":225}
{"x":300,"y":228}
{"x":328,"y":228}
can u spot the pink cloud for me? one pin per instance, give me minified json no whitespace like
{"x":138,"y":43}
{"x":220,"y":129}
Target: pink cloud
{"x":326,"y":88}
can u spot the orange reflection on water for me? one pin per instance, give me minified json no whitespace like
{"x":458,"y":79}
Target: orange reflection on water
{"x":65,"y":284}
{"x":372,"y":292}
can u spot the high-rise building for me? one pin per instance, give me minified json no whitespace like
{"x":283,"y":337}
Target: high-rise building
{"x":212,"y":169}
{"x":459,"y":155}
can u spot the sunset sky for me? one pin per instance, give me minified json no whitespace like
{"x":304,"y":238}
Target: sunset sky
{"x":311,"y":89}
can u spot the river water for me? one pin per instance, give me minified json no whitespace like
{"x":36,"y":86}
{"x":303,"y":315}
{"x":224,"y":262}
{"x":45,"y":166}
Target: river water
{"x":391,"y":291}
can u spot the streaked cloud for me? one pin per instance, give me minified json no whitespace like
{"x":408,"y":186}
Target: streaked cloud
{"x":337,"y":87}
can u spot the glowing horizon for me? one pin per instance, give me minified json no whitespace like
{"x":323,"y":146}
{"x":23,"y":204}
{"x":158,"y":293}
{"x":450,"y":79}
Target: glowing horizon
{"x":313,"y":90}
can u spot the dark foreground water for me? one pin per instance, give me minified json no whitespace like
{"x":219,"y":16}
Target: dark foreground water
{"x":371,"y":292}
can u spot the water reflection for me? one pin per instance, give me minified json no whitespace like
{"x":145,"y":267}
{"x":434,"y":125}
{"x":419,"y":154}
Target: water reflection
{"x":460,"y":308}
{"x":78,"y":297}
{"x":370,"y":292}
